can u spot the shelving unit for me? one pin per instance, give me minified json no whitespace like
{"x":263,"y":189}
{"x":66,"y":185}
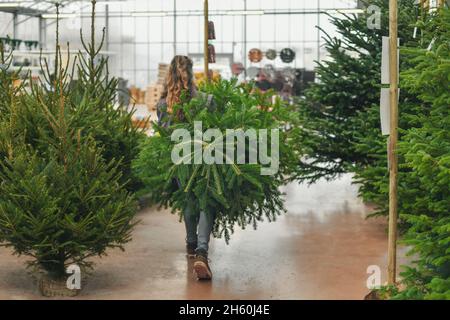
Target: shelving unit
{"x":34,"y":57}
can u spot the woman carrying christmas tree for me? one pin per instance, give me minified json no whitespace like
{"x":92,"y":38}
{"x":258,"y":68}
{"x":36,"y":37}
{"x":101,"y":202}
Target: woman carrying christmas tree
{"x":199,"y":226}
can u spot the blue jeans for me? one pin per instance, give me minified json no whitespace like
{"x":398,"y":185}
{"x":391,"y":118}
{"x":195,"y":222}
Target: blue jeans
{"x":198,"y":228}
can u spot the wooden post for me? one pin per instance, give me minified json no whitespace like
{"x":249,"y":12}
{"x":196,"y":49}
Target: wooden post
{"x":206,"y":54}
{"x":441,"y":3}
{"x":393,"y":137}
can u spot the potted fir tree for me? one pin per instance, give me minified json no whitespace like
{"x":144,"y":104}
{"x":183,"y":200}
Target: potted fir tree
{"x":61,"y":202}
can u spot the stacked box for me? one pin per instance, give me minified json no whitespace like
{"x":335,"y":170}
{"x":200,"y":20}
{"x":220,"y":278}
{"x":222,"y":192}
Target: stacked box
{"x":137,"y":95}
{"x":134,"y":95}
{"x":141,"y":99}
{"x":153,"y":95}
{"x":163,"y":70}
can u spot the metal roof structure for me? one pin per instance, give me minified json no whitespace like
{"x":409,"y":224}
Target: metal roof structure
{"x":26,"y":8}
{"x":37,"y":8}
{"x":26,"y":11}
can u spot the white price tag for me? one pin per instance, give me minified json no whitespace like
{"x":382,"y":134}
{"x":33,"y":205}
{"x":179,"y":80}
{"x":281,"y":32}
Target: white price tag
{"x":385,"y":60}
{"x":385,"y":110}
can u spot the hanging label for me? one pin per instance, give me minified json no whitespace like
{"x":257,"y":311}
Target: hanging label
{"x":385,"y":60}
{"x":385,"y":110}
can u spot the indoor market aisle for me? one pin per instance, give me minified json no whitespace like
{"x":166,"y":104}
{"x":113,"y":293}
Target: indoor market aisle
{"x":319,"y":250}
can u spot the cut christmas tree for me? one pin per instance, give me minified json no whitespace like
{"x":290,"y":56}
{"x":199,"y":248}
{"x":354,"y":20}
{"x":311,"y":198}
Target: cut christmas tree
{"x":373,"y":177}
{"x":337,"y":110}
{"x":426,"y":150}
{"x":233,"y":185}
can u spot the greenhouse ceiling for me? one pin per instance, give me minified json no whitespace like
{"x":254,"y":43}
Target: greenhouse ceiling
{"x":140,"y":8}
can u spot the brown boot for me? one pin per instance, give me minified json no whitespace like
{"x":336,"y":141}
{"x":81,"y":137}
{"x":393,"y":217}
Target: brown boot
{"x":201,"y":266}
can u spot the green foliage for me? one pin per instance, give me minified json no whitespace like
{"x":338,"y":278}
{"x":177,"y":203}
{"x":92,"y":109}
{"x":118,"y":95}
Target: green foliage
{"x":384,"y":292}
{"x":92,"y":96}
{"x":63,"y":211}
{"x":341,"y":132}
{"x":373,"y":177}
{"x":342,"y":108}
{"x":237,"y":193}
{"x":61,"y":202}
{"x":110,"y":125}
{"x":426,"y":150}
{"x":9,"y":92}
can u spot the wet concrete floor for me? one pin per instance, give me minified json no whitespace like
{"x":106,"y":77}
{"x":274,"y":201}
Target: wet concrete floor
{"x":319,"y":250}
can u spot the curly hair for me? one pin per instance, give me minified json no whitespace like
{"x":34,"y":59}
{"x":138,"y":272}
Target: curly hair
{"x":180,"y":79}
